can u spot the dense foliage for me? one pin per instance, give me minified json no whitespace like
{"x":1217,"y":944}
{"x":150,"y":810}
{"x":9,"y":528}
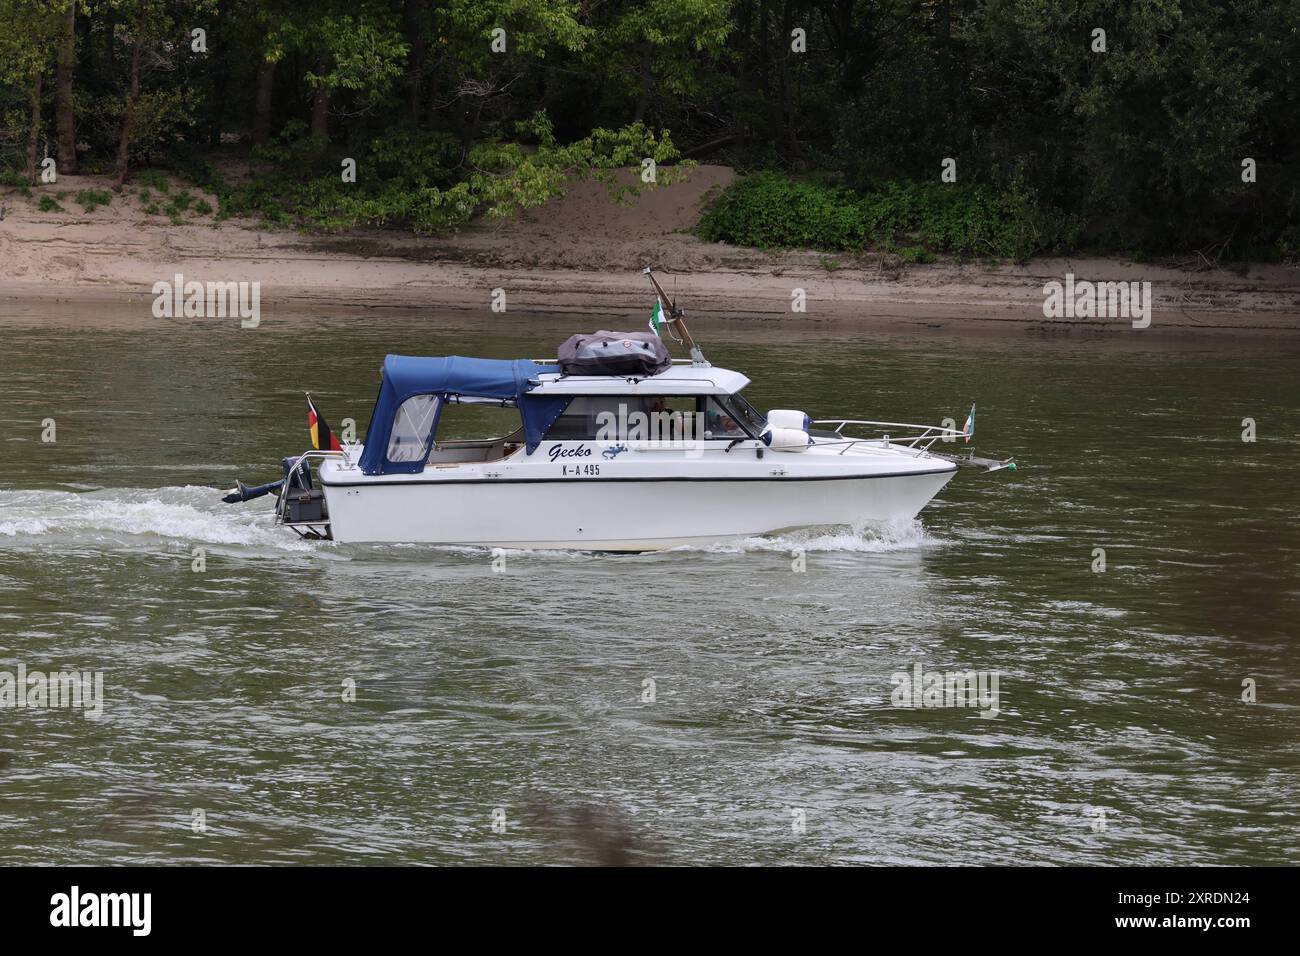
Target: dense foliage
{"x":455,"y":107}
{"x":771,"y":210}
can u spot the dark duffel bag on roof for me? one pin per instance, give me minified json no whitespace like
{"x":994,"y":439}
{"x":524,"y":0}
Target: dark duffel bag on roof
{"x":614,"y":353}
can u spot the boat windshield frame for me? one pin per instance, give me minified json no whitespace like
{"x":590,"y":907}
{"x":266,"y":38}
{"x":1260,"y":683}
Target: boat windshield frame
{"x":746,"y":415}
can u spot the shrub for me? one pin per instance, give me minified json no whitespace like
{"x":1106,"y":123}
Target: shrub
{"x":154,"y":179}
{"x":90,"y":199}
{"x":771,"y":210}
{"x":423,"y":181}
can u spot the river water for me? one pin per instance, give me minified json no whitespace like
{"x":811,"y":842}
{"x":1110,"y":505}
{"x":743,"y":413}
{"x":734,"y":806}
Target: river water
{"x":713,"y":705}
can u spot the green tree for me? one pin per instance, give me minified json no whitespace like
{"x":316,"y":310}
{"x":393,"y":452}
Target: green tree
{"x":361,"y":54}
{"x":28,"y":28}
{"x":65,"y":119}
{"x":154,"y":35}
{"x":652,"y":46}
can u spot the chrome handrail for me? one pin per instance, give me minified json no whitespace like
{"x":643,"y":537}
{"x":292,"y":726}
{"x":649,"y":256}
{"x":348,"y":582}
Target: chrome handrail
{"x":928,"y":433}
{"x":552,"y":361}
{"x":297,"y":463}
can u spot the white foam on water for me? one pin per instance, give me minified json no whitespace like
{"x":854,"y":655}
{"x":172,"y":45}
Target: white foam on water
{"x":188,"y":513}
{"x":868,"y":539}
{"x":907,"y":535}
{"x":195,"y":514}
{"x":476,"y":551}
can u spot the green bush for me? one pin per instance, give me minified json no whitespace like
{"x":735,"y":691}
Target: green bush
{"x":196,"y":168}
{"x":49,"y":204}
{"x":154,"y":179}
{"x":90,"y":199}
{"x":771,"y":210}
{"x":420,"y":180}
{"x":1288,"y":245}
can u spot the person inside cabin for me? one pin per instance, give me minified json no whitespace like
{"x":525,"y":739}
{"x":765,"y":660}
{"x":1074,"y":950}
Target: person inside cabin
{"x":665,"y":424}
{"x":718,"y":423}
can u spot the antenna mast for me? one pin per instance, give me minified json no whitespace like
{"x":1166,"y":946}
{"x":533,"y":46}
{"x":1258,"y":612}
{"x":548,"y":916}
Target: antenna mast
{"x":677,"y":319}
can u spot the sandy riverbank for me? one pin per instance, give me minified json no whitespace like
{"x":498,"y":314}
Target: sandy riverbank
{"x":583,"y":254}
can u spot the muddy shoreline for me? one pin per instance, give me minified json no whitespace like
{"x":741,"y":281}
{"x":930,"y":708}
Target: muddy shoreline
{"x":583,"y":254}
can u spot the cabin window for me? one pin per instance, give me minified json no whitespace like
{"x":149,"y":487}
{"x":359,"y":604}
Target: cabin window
{"x":746,"y":413}
{"x":473,"y":421}
{"x":626,"y":418}
{"x":580,"y":421}
{"x":413,"y":428}
{"x":721,"y":421}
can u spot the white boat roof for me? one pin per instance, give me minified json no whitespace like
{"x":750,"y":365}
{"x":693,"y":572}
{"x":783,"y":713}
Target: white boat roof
{"x":681,"y":379}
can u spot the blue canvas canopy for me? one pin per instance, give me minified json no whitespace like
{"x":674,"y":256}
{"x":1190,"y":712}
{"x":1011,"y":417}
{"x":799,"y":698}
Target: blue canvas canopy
{"x":453,"y":376}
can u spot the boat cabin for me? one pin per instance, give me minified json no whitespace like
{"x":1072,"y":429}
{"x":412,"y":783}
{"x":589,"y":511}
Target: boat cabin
{"x":686,"y":401}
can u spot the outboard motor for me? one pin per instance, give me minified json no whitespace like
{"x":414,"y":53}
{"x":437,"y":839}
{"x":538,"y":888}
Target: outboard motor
{"x":303,"y":502}
{"x":300,"y":479}
{"x":787,"y":430}
{"x":300,"y":482}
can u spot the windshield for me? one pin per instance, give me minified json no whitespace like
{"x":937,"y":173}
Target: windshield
{"x":747,"y":413}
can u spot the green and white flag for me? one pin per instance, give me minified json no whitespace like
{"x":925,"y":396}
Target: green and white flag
{"x":656,"y":317}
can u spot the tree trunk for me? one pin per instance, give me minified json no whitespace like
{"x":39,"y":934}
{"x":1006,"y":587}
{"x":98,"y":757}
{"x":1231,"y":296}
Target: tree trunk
{"x":787,"y":83}
{"x":414,"y":22}
{"x":128,"y":118}
{"x":320,"y":108}
{"x":34,"y":132}
{"x":745,"y":28}
{"x":262,"y":108}
{"x":764,"y":45}
{"x":775,"y":93}
{"x":646,"y":74}
{"x":431,"y":98}
{"x":64,"y":119}
{"x":320,"y":104}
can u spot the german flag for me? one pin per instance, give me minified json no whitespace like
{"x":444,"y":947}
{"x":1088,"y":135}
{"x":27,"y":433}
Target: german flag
{"x":321,"y":436}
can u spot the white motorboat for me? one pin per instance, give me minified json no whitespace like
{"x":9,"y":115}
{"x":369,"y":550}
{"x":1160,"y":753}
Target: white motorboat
{"x":610,"y":462}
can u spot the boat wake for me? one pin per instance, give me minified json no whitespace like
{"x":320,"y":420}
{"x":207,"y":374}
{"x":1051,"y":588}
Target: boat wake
{"x":192,"y":514}
{"x":872,"y":539}
{"x":189,"y":514}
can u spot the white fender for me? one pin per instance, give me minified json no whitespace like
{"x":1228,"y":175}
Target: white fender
{"x":787,"y":418}
{"x":786,"y":439}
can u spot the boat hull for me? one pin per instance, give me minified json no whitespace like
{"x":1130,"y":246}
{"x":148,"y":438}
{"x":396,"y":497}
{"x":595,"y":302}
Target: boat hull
{"x":633,"y":514}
